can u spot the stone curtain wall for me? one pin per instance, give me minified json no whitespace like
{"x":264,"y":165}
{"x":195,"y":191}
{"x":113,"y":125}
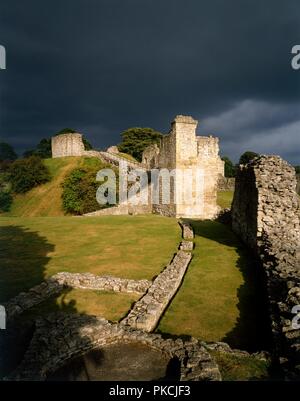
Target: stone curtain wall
{"x":265,"y":214}
{"x":67,"y":145}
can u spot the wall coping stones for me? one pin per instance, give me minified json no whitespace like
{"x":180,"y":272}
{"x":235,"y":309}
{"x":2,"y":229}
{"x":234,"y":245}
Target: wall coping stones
{"x":186,"y":245}
{"x":147,"y":312}
{"x":187,"y":230}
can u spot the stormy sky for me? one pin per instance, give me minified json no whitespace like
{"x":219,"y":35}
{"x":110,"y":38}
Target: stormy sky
{"x":101,"y":66}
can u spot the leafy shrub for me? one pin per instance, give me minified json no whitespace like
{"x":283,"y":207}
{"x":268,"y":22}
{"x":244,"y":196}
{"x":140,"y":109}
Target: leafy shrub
{"x":7,"y":152}
{"x":6,"y":198}
{"x":229,"y":168}
{"x":26,"y":174}
{"x":79,"y":191}
{"x":247,"y":157}
{"x":43,"y":149}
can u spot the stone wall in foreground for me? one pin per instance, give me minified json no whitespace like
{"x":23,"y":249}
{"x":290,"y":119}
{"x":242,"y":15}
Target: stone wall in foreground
{"x":60,"y":337}
{"x":61,"y":281}
{"x":147,"y":312}
{"x":265,"y":214}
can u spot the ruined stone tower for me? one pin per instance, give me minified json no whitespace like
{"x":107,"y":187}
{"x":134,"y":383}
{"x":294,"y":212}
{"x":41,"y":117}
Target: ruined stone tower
{"x":182,"y":150}
{"x":67,"y":145}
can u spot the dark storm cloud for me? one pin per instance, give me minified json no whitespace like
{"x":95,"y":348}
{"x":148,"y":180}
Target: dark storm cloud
{"x":102,"y":66}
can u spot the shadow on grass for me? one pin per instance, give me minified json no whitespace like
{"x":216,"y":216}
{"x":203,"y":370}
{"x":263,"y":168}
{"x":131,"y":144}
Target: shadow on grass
{"x":252,"y":330}
{"x":23,"y":261}
{"x":24,"y":256}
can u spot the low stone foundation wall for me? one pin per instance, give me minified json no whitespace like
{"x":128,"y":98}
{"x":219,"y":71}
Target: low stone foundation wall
{"x":147,"y":312}
{"x":187,"y":230}
{"x":88,"y":281}
{"x":60,"y":281}
{"x":60,"y":337}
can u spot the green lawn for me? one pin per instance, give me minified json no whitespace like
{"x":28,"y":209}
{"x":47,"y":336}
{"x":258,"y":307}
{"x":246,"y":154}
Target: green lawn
{"x":110,"y":305}
{"x":234,"y":367}
{"x":224,"y":199}
{"x":219,"y":298}
{"x":136,"y":247}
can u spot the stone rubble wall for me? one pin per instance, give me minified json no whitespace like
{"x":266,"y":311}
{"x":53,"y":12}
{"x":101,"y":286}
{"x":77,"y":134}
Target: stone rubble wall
{"x":59,"y":338}
{"x":88,"y":281}
{"x":265,"y":214}
{"x":186,"y":246}
{"x":61,"y":281}
{"x":147,"y":312}
{"x":187,"y":230}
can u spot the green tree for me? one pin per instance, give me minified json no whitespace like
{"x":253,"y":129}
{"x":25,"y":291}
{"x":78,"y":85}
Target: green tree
{"x":135,"y":140}
{"x":66,"y":131}
{"x":246,"y":157}
{"x":297,"y":168}
{"x":26,"y":174}
{"x":229,"y":167}
{"x":7,"y":152}
{"x":87,"y":145}
{"x":42,"y":150}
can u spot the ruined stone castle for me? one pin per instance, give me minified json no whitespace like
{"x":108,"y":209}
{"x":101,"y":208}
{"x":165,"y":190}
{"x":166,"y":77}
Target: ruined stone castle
{"x":181,"y":149}
{"x":183,"y":154}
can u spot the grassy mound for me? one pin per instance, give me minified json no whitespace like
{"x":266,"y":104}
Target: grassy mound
{"x":45,"y":200}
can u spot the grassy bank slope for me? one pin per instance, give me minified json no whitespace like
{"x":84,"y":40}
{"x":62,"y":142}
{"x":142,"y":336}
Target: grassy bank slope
{"x":45,"y":200}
